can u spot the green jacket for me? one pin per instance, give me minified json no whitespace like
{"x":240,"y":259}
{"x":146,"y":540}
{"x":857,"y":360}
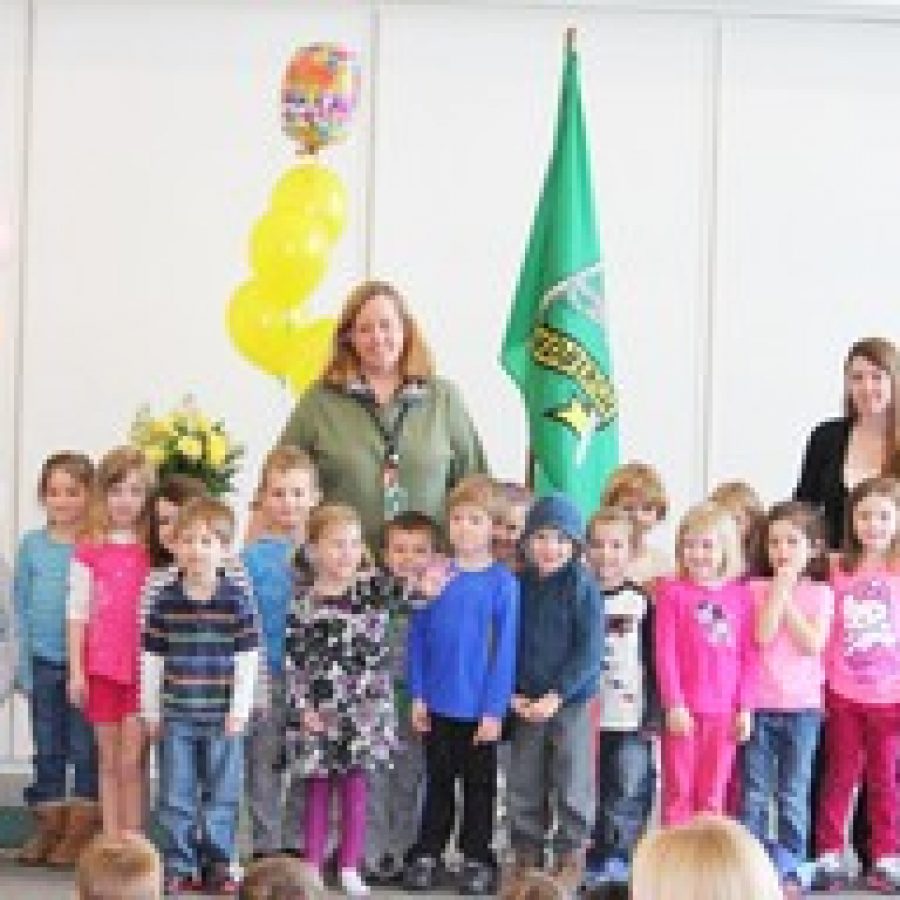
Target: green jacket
{"x":438,"y":446}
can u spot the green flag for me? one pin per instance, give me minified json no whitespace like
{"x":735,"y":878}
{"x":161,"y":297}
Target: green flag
{"x":555,"y":348}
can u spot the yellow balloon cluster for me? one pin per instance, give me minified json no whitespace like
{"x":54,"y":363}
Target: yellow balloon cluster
{"x":289,"y":252}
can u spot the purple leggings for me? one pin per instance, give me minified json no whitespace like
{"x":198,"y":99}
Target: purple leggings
{"x":352,"y":790}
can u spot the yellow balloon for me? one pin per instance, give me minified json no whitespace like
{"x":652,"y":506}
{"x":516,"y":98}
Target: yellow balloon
{"x":310,"y":350}
{"x":315,"y":191}
{"x":290,"y":250}
{"x":259,"y":327}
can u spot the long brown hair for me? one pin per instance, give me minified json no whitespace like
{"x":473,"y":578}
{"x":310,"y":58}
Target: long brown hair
{"x":178,"y":489}
{"x":808,"y":520}
{"x":879,"y":486}
{"x":415,"y":360}
{"x":113,"y":469}
{"x":882,"y":354}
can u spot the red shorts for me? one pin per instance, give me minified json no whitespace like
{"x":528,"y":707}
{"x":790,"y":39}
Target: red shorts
{"x":109,"y":702}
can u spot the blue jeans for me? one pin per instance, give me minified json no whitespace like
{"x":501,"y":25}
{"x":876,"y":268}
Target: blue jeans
{"x":195,"y":758}
{"x":61,"y":736}
{"x":777,"y":762}
{"x":626,"y":780}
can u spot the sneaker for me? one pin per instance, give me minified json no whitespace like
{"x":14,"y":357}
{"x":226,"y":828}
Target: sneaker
{"x":476,"y":879}
{"x":352,"y":884}
{"x":884,"y":877}
{"x":383,"y":872}
{"x":618,"y":870}
{"x":830,"y":875}
{"x":175,"y":885}
{"x":420,"y":873}
{"x":596,"y":871}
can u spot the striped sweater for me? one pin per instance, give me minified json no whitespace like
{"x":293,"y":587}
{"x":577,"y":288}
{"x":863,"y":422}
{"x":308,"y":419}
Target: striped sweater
{"x":199,"y":659}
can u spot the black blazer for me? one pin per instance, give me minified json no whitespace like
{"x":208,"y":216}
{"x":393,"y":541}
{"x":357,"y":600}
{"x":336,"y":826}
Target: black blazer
{"x":822,"y":475}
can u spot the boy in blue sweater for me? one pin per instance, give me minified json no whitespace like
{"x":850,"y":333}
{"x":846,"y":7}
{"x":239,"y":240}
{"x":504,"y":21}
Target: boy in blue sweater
{"x":461,"y":660}
{"x":559,"y":661}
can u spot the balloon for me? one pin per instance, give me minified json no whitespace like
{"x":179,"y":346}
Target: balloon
{"x":319,"y":93}
{"x":316,"y":192}
{"x":290,"y":250}
{"x":259,"y":327}
{"x":310,"y":349}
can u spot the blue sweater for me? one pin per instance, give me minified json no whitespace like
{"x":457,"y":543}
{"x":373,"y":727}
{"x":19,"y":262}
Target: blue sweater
{"x":269,"y":564}
{"x":462,"y":646}
{"x":41,"y":589}
{"x":561,"y":634}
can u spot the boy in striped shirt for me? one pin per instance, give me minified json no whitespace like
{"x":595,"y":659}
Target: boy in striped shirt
{"x":198,"y":669}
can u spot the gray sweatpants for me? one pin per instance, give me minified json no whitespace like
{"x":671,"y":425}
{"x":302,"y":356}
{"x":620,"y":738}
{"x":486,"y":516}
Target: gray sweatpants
{"x":276,"y":823}
{"x":552,"y":767}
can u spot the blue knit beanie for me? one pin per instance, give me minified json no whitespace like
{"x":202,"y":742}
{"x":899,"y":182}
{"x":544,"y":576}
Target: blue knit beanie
{"x":559,"y":512}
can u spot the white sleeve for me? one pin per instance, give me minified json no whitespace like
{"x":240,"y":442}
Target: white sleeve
{"x":152,"y":666}
{"x":245,"y":670}
{"x":78,"y":607}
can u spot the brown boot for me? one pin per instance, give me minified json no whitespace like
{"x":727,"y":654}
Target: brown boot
{"x":82,"y":824}
{"x":570,"y":871}
{"x":49,"y":819}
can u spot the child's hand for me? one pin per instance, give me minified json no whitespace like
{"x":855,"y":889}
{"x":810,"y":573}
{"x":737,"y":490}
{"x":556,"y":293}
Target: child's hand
{"x":488,"y":731}
{"x":76,"y":688}
{"x":679,"y":721}
{"x":546,"y":707}
{"x":152,"y":731}
{"x":312,"y":721}
{"x":743,"y":726}
{"x":421,"y":724}
{"x":521,"y":706}
{"x":435,"y":576}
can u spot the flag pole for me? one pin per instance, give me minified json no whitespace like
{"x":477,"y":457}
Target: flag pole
{"x":571,"y":34}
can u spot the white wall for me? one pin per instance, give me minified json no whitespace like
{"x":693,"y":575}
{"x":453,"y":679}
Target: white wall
{"x":746,"y":179}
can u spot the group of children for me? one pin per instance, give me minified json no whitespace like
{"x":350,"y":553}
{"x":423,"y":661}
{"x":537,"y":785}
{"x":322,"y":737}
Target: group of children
{"x":303,"y":675}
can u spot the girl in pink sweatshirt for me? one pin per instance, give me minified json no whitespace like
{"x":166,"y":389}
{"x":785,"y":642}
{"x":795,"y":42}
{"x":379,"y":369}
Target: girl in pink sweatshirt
{"x":706,"y":661}
{"x":862,"y":701}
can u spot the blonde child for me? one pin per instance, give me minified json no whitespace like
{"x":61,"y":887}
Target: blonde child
{"x":863,"y":690}
{"x":287,"y":492}
{"x":105,"y":580}
{"x":744,"y":504}
{"x":66,"y":819}
{"x":125,"y":867}
{"x":198,"y":669}
{"x":280,"y":878}
{"x":793,"y":612}
{"x":339,"y":690}
{"x":637,"y":489}
{"x":705,"y":663}
{"x":509,"y":522}
{"x":711,"y":858}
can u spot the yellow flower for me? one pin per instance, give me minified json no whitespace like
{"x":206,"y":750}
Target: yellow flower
{"x":190,"y":447}
{"x":154,"y":454}
{"x":216,"y":448}
{"x":164,"y":425}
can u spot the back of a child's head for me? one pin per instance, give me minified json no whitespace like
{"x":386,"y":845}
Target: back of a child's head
{"x":126,"y":867}
{"x":280,"y":878}
{"x":810,"y":522}
{"x":709,"y":858}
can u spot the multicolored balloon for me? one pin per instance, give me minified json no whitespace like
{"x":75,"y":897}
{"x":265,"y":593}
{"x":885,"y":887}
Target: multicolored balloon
{"x":319,"y":94}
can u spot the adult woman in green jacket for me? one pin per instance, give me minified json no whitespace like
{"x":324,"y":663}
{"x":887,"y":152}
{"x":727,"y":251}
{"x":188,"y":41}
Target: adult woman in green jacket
{"x":384,"y":432}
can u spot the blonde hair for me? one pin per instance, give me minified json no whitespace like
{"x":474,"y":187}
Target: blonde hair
{"x":742,"y":501}
{"x":882,"y":354}
{"x":636,"y":478}
{"x":879,"y":486}
{"x":280,"y":878}
{"x":216,"y":515}
{"x":125,"y":867}
{"x":114,"y":468}
{"x":612,"y":515}
{"x":710,"y":858}
{"x":415,"y":358}
{"x":477,"y":490}
{"x":330,"y":515}
{"x":286,"y":458}
{"x":533,"y":885}
{"x":712,"y":517}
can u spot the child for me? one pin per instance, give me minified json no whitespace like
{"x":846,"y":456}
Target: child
{"x":559,"y":658}
{"x":863,"y":690}
{"x":712,"y":858}
{"x":395,"y":788}
{"x":341,"y":720}
{"x":198,"y":668}
{"x":793,"y":612}
{"x":750,"y":516}
{"x":705,"y":664}
{"x":509,"y":523}
{"x":461,"y":660}
{"x":627,"y":700}
{"x":288,"y":490}
{"x":126,"y":867}
{"x":59,"y":731}
{"x":280,"y":878}
{"x":637,"y":489}
{"x":534,"y":885}
{"x":105,"y":581}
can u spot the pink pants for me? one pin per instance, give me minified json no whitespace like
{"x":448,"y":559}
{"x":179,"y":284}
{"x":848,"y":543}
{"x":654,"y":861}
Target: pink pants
{"x":352,"y":790}
{"x":861,"y":741}
{"x":696,"y":768}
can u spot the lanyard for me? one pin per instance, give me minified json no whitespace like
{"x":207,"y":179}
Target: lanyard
{"x":389,"y":436}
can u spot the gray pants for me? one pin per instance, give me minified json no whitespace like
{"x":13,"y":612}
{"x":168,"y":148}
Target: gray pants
{"x":394,"y":801}
{"x":276,"y":824}
{"x":552,"y":766}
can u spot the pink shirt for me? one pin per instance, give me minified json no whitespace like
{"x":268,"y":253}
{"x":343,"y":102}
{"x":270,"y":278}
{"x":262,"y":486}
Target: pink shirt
{"x":863,"y":657}
{"x":789,"y":677}
{"x":705,"y":654}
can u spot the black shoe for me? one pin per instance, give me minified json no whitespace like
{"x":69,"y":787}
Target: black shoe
{"x":419,"y":874}
{"x":476,"y":879}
